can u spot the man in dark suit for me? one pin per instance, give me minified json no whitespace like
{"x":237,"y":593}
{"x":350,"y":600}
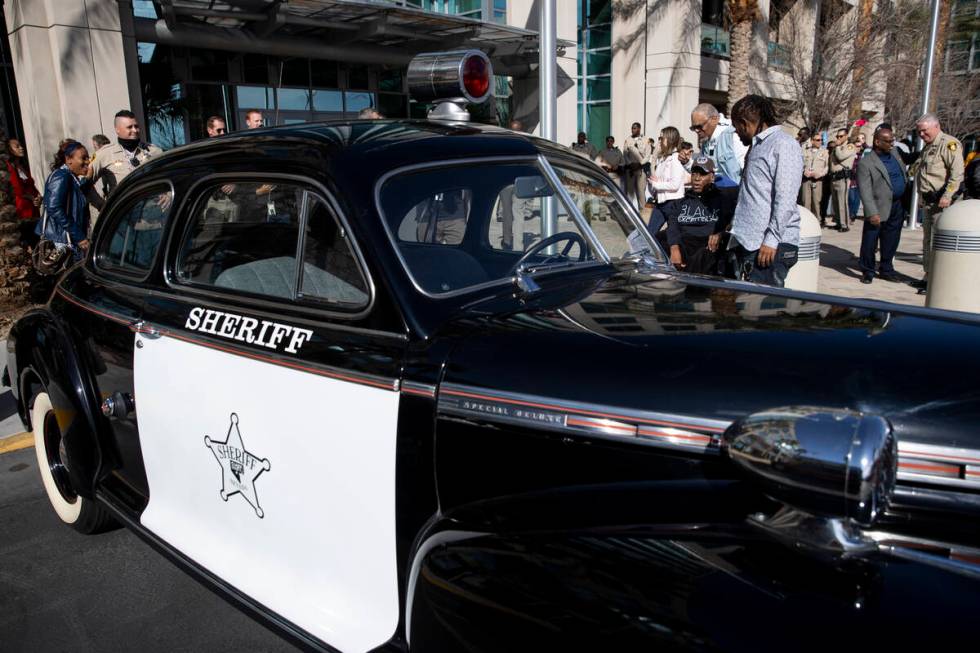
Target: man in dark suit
{"x":881,"y":180}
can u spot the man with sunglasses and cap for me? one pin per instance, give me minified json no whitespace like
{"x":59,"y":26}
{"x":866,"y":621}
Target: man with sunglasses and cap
{"x":697,"y":221}
{"x":116,"y":160}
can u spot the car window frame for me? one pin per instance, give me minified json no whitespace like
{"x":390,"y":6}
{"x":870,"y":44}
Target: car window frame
{"x":588,"y":168}
{"x":535,"y":160}
{"x":308,"y":186}
{"x":106,"y":223}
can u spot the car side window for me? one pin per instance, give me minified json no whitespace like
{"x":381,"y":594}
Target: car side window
{"x":439,"y":219}
{"x":131,"y":243}
{"x":245,"y":237}
{"x":330,"y":270}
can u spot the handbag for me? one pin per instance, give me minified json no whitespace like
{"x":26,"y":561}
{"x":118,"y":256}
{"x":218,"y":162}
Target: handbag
{"x":50,"y":258}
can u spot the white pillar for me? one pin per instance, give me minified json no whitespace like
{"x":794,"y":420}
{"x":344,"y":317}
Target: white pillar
{"x":656,"y":69}
{"x":71,"y":71}
{"x":525,"y":14}
{"x":548,"y":69}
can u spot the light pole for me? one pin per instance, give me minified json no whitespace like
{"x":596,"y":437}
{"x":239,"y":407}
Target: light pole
{"x":547,"y":97}
{"x":926,"y":92}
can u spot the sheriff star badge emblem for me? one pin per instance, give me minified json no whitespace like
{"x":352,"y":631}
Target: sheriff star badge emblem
{"x":239,"y":468}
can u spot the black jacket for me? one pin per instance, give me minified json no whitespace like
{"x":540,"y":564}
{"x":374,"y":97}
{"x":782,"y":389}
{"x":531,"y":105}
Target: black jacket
{"x":66,"y":208}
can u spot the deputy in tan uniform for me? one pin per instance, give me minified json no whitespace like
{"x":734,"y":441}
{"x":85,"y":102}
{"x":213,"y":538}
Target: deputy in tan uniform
{"x":815,"y":158}
{"x":938,"y":174}
{"x":842,"y":155}
{"x":584,"y":148}
{"x":611,"y":160}
{"x":114,"y":161}
{"x":637,"y":153}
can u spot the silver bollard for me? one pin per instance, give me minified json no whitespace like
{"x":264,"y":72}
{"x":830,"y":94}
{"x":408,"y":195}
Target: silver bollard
{"x":956,"y":259}
{"x":805,"y":275}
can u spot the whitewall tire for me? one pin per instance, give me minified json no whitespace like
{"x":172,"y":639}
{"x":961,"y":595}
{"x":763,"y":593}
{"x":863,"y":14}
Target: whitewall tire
{"x":82,"y":514}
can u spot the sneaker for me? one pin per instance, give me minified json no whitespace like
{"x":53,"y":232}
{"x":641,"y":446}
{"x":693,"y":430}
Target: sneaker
{"x":867,"y":277}
{"x":921,"y":284}
{"x":922,"y":291}
{"x":844,"y":230}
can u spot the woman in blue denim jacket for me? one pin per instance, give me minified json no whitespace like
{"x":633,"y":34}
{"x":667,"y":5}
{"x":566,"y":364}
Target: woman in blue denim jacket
{"x":67,"y":217}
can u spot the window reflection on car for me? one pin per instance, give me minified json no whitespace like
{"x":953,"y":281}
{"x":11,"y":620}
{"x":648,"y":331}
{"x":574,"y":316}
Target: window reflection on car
{"x":463,"y":226}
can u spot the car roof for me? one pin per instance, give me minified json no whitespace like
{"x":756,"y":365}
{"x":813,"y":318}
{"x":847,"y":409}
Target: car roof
{"x":355,"y":155}
{"x":372,"y":146}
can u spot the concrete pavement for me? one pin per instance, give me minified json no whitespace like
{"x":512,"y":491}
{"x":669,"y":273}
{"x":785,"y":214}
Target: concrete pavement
{"x":63,"y":591}
{"x":840,"y":274}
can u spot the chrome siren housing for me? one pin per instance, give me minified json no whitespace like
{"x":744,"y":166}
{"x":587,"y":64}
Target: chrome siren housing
{"x":450,"y":80}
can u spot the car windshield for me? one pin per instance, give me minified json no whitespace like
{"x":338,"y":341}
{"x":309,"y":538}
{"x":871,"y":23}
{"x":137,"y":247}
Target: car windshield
{"x":461,"y":226}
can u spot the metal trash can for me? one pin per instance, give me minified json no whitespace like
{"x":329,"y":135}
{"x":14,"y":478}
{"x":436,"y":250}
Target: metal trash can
{"x":956,"y":259}
{"x":805,"y":275}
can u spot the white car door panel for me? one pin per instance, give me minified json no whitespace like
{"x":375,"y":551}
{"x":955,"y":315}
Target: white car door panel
{"x":279,"y":481}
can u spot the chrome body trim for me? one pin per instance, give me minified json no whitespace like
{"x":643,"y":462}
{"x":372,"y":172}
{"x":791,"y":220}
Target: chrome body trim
{"x":663,"y":430}
{"x":439,"y":539}
{"x":418,"y":389}
{"x":938,"y":465}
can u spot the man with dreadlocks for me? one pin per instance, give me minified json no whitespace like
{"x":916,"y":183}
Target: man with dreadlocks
{"x":766,"y":227}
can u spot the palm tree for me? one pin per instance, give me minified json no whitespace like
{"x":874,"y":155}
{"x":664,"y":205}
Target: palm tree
{"x":742,"y":14}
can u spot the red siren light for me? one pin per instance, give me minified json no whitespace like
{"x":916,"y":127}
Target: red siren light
{"x":476,"y":76}
{"x":450,"y":77}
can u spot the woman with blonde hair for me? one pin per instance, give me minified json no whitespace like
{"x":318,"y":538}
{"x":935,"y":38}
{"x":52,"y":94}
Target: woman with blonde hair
{"x":667,"y":181}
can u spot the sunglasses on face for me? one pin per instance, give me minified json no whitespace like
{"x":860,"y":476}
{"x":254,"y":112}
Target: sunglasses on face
{"x":697,"y":128}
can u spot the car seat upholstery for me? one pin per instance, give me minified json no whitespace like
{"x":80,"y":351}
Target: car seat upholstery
{"x":276,"y":277}
{"x":439,"y":269}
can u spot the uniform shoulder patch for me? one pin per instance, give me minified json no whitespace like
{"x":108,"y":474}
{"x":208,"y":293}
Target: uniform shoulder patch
{"x":952,"y":145}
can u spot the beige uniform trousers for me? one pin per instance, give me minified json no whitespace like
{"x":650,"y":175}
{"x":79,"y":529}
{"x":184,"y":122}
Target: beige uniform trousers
{"x":930,"y":215}
{"x":838,"y":201}
{"x":811,"y":194}
{"x":636,"y":185}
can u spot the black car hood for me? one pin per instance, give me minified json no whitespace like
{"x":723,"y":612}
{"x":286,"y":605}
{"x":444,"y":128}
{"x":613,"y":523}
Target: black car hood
{"x":683,"y":345}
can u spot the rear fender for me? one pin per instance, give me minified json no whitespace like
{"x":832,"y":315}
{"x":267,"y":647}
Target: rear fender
{"x":44,"y":358}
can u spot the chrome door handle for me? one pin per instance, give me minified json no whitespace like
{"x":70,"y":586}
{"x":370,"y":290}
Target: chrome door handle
{"x":145,"y":330}
{"x":118,"y":405}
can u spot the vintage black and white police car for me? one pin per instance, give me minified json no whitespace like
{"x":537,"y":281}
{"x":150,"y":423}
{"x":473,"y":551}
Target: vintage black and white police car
{"x":429,"y":385}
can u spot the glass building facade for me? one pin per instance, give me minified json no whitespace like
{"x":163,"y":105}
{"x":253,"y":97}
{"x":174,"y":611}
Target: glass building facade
{"x":183,"y":87}
{"x":594,"y":69}
{"x":496,"y":10}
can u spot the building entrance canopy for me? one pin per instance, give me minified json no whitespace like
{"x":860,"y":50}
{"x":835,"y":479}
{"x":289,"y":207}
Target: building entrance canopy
{"x":389,"y":33}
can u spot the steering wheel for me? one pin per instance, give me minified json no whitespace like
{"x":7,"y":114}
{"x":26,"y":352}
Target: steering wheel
{"x":572,"y":238}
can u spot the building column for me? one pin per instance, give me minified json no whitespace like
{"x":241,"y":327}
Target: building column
{"x":71,"y":71}
{"x":673,"y":63}
{"x":656,"y":67}
{"x":525,"y":13}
